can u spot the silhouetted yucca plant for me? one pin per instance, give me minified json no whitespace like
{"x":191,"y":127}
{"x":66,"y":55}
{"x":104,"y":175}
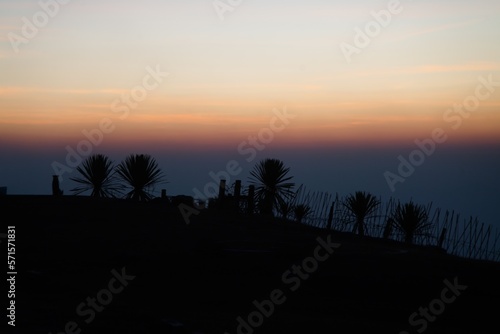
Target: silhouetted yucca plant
{"x":141,"y":173}
{"x":285,"y":209}
{"x":301,"y":211}
{"x":411,"y":219}
{"x":272,"y":189}
{"x":97,"y":175}
{"x":361,"y":205}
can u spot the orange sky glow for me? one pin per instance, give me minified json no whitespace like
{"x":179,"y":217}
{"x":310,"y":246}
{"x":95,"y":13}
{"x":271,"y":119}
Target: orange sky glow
{"x":221,"y":80}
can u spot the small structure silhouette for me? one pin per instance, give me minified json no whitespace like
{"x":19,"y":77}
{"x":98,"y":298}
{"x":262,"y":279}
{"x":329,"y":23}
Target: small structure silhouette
{"x":56,"y":191}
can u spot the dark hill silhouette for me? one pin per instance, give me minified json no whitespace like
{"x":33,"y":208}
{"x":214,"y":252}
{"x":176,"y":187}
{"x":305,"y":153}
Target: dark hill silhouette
{"x":200,"y":277}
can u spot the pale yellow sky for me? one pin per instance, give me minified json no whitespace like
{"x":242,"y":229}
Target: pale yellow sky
{"x":226,"y":76}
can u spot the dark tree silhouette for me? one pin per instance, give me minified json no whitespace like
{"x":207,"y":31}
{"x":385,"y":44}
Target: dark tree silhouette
{"x":270,"y":177}
{"x":361,"y":205}
{"x":96,"y":174}
{"x":140,"y":172}
{"x":411,"y":219}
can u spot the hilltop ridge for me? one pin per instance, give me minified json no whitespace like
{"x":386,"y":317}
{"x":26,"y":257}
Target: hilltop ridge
{"x":200,"y":277}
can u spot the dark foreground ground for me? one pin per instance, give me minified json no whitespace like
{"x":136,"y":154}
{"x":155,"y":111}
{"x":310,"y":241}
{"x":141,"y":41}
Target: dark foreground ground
{"x":199,"y":278}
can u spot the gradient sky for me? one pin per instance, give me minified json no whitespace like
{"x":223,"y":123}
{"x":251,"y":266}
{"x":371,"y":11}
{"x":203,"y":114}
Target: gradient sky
{"x":353,"y":119}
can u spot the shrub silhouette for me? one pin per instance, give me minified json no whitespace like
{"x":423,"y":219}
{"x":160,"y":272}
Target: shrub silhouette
{"x":140,"y":172}
{"x":361,"y":205}
{"x":301,"y":211}
{"x":411,"y":219}
{"x":97,"y":175}
{"x":270,"y":177}
{"x":285,"y":209}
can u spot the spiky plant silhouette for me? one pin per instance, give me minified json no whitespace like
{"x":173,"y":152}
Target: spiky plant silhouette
{"x":301,"y":211}
{"x":285,"y":209}
{"x":141,"y":173}
{"x":361,"y":205}
{"x":97,"y":175}
{"x":411,"y":219}
{"x":272,"y":186}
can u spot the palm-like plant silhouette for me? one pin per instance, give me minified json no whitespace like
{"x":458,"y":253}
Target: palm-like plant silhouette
{"x":285,"y":209}
{"x":96,"y":175}
{"x":361,"y":205}
{"x":140,"y":172}
{"x":270,"y":177}
{"x":301,"y":211}
{"x":411,"y":219}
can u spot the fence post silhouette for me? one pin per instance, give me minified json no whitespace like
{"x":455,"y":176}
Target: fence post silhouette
{"x":441,"y":238}
{"x":251,"y":203}
{"x":388,"y":228}
{"x":330,"y":216}
{"x":222,"y":194}
{"x":56,"y":191}
{"x":237,"y":193}
{"x":222,"y":189}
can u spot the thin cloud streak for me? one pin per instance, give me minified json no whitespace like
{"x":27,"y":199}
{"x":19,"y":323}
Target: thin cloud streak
{"x":15,"y":91}
{"x":431,"y":68}
{"x":433,"y":29}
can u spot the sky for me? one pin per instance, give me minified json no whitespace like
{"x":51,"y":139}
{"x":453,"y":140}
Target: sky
{"x":341,"y":91}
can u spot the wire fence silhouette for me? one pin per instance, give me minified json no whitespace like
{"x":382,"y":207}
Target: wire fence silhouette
{"x":463,"y":237}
